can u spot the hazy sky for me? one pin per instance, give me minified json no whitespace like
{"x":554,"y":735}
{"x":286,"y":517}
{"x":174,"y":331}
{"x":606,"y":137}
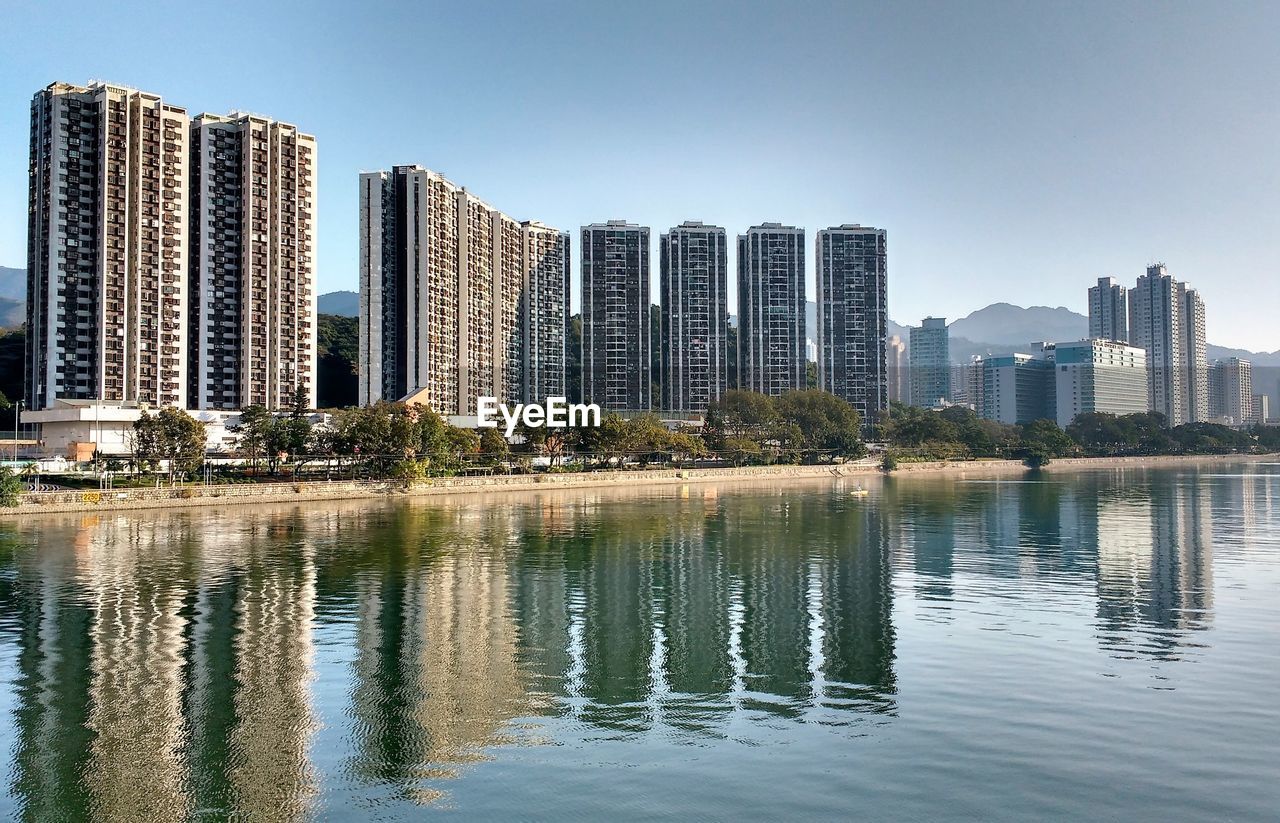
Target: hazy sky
{"x":1013,"y":151}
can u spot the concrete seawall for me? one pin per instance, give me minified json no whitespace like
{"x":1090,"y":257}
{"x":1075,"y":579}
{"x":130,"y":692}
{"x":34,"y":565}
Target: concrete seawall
{"x":231,"y":495}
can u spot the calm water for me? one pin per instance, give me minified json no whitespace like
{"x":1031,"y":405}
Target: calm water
{"x":1102,"y":645}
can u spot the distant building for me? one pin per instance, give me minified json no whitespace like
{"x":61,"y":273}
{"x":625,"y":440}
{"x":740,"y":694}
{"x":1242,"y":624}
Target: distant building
{"x":253,"y":314}
{"x":1108,"y":311}
{"x":1018,"y":388}
{"x":897,"y":370}
{"x":1097,"y":376}
{"x":1195,"y":351}
{"x":1156,"y":325}
{"x":1260,"y":410}
{"x":615,"y":316}
{"x":930,"y":356}
{"x":694,"y":283}
{"x":1231,"y":390}
{"x":771,"y":311}
{"x":444,"y":312}
{"x":853,"y":317}
{"x":967,"y":384}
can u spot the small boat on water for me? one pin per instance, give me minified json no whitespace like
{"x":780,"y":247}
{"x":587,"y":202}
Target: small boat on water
{"x":859,"y":492}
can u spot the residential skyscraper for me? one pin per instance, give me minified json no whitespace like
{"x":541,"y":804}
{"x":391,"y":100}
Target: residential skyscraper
{"x":442,"y":278}
{"x":1155,"y":324}
{"x":1108,"y":311}
{"x":694,"y":285}
{"x":930,"y":355}
{"x":771,"y":297}
{"x":252,"y":322}
{"x":1195,"y":350}
{"x":546,"y":311}
{"x":853,"y":317}
{"x":615,"y":316}
{"x":107,"y":289}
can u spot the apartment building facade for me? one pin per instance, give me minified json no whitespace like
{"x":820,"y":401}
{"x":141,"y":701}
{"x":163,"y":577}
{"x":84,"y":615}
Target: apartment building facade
{"x":107,"y":247}
{"x":1108,"y":310}
{"x":1231,"y":390}
{"x":693,"y":286}
{"x":853,"y":316}
{"x":1155,"y":325}
{"x":443,"y":284}
{"x":616,"y":335}
{"x":545,"y":311}
{"x":771,"y":309}
{"x":1195,"y":351}
{"x":930,"y":356}
{"x":252,"y":322}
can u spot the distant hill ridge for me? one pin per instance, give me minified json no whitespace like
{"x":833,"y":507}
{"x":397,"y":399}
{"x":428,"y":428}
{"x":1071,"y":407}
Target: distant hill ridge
{"x":341,"y":303}
{"x":999,"y":328}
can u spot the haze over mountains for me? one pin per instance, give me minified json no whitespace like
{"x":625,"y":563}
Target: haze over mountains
{"x":1000,"y":328}
{"x":13,"y":297}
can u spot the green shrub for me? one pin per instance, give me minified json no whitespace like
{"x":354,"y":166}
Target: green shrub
{"x":10,"y":488}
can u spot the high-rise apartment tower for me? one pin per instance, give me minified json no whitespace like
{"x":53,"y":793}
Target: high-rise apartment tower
{"x":853,"y":317}
{"x":695,"y":316}
{"x":252,"y":322}
{"x":107,"y":291}
{"x":615,"y":316}
{"x":1108,"y":311}
{"x":771,"y":297}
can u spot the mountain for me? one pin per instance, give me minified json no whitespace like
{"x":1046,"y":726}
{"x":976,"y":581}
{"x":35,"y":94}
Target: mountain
{"x":341,"y":303}
{"x":13,"y":313}
{"x":1257,"y":358}
{"x":13,"y":283}
{"x":1005,"y":323}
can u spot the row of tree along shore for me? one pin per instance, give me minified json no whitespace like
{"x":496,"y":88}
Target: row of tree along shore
{"x":394,"y":440}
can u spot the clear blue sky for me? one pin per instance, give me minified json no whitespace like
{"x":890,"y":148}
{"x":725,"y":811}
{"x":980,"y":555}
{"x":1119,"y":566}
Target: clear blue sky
{"x":1013,"y":151}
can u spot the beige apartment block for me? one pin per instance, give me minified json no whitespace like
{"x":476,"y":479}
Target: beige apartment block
{"x":107,"y":250}
{"x":253,"y":324}
{"x":447,"y":283}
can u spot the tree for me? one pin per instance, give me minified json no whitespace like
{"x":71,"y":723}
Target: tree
{"x":645,"y":436}
{"x":494,"y":446}
{"x":253,"y":432}
{"x":1043,"y":440}
{"x":10,"y":488}
{"x":1268,"y":437}
{"x":910,"y":427}
{"x":739,"y":415}
{"x":822,"y":421}
{"x":172,"y":436}
{"x":338,"y":352}
{"x":608,"y":439}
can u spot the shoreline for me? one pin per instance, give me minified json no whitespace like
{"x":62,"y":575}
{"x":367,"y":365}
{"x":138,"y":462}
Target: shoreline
{"x":233,"y":495}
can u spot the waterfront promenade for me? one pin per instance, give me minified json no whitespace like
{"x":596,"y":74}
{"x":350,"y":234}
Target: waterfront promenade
{"x":224,"y":495}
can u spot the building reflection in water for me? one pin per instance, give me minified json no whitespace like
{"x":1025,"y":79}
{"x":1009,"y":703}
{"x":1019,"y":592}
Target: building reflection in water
{"x":166,"y":665}
{"x":162,"y":671}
